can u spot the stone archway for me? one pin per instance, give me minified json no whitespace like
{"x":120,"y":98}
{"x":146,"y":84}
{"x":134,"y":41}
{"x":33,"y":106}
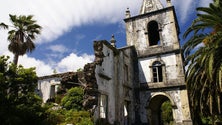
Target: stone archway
{"x":154,"y":108}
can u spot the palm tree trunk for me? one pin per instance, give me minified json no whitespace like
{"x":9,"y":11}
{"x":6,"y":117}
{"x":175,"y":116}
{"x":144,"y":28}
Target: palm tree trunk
{"x":15,"y":60}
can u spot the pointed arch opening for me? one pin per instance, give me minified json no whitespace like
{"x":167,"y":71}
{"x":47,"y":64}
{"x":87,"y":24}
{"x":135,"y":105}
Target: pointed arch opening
{"x":153,"y":33}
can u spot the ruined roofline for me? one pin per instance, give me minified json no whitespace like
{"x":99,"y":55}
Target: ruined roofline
{"x":59,"y":75}
{"x":105,"y":42}
{"x":116,"y":50}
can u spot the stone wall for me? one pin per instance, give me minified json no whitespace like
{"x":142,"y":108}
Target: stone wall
{"x":112,"y":81}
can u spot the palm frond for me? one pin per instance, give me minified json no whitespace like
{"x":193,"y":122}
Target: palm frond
{"x":2,"y":25}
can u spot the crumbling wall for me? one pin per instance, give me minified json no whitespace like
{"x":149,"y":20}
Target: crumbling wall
{"x":90,"y":86}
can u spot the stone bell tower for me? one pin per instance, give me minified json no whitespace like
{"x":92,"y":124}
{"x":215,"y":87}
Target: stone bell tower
{"x":154,"y":33}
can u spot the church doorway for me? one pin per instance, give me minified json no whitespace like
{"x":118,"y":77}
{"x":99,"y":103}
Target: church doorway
{"x":160,"y":110}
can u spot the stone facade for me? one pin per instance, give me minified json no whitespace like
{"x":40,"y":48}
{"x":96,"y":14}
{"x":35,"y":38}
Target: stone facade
{"x":128,"y":85}
{"x":154,"y":33}
{"x":115,"y":78}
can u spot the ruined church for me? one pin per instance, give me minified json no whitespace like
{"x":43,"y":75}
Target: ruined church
{"x":128,"y":85}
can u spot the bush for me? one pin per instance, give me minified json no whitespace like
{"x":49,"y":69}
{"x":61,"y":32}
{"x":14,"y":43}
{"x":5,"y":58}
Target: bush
{"x":72,"y":111}
{"x":18,"y":102}
{"x":63,"y":117}
{"x":73,"y":99}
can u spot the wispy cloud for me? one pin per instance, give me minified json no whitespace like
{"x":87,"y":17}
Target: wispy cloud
{"x":59,"y":48}
{"x":184,"y":7}
{"x":78,"y":38}
{"x":204,"y":3}
{"x":187,"y":7}
{"x":98,"y":37}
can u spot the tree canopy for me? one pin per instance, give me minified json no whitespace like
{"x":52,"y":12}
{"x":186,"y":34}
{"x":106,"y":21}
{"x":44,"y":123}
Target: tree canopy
{"x":19,"y":105}
{"x":203,"y":56}
{"x":21,"y":34}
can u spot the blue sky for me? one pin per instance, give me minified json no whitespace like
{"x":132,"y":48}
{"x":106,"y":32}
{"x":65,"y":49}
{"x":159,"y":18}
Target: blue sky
{"x":71,"y":26}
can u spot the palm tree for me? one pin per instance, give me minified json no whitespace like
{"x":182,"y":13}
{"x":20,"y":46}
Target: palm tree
{"x":203,"y":55}
{"x":21,"y":35}
{"x":2,"y":25}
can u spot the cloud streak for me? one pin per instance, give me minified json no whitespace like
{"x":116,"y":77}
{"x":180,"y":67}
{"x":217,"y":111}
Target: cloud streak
{"x":59,"y":48}
{"x":185,"y":8}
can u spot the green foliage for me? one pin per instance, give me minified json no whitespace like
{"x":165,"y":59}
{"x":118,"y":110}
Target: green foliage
{"x":206,"y":120}
{"x":73,"y":99}
{"x":58,"y":98}
{"x":167,"y":114}
{"x":21,"y":34}
{"x":79,"y":70}
{"x":18,"y":102}
{"x":19,"y":105}
{"x":72,"y":113}
{"x":78,"y":117}
{"x":55,"y":117}
{"x":63,"y":117}
{"x":204,"y":59}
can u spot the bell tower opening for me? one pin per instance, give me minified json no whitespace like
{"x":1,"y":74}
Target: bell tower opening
{"x":153,"y":33}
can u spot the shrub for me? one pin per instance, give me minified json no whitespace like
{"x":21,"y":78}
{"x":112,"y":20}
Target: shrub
{"x":73,"y":99}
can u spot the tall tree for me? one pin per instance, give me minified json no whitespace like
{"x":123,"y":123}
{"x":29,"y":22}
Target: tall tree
{"x":203,"y":55}
{"x":2,"y":25}
{"x":21,"y":35}
{"x":19,"y":104}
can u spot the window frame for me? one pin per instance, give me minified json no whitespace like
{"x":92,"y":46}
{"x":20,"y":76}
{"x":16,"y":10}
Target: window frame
{"x":103,"y":106}
{"x":158,"y":73}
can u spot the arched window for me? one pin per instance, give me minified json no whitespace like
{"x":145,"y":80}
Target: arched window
{"x":153,"y":33}
{"x":157,"y":72}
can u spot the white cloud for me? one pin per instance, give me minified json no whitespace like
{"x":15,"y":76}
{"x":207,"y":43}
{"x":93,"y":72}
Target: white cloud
{"x":41,"y":67}
{"x":58,"y":17}
{"x":204,"y":3}
{"x":187,"y":7}
{"x":58,"y":48}
{"x":27,"y":62}
{"x":74,"y":62}
{"x":69,"y":63}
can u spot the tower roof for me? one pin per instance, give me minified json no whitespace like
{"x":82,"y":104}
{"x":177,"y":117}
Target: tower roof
{"x":150,"y":5}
